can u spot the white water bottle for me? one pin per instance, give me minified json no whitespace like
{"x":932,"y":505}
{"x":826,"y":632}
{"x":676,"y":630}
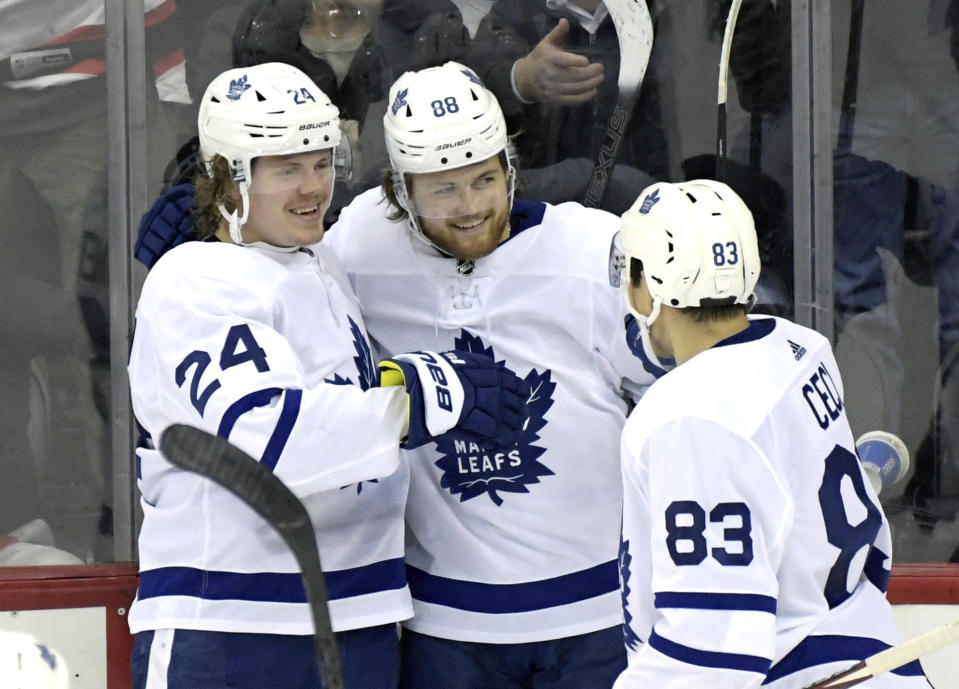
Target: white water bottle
{"x":884,"y":457}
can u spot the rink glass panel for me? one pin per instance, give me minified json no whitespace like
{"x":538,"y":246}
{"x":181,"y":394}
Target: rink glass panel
{"x":858,"y":232}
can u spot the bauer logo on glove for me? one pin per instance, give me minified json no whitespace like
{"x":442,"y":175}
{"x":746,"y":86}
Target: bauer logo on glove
{"x":460,"y":389}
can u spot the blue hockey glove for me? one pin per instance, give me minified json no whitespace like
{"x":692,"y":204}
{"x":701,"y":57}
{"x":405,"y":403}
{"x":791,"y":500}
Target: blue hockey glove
{"x":484,"y":400}
{"x":167,"y":224}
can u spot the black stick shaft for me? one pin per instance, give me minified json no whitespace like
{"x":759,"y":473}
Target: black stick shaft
{"x":217,"y":459}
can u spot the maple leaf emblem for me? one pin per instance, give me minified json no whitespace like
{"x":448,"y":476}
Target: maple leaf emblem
{"x":471,"y":470}
{"x":625,"y":560}
{"x":237,"y":87}
{"x":366,"y":370}
{"x":399,"y":101}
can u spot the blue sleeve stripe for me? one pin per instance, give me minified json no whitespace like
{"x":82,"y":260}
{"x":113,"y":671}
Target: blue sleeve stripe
{"x":819,"y":650}
{"x":513,"y":598}
{"x":711,"y":659}
{"x":260,"y":398}
{"x":268,"y":587}
{"x":284,"y":425}
{"x":698,"y":600}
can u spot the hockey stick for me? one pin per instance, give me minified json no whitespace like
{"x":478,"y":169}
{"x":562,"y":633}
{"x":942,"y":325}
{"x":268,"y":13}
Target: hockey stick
{"x":723,"y":88}
{"x":634,"y":30}
{"x":891,"y":658}
{"x":850,"y":86}
{"x":215,"y":458}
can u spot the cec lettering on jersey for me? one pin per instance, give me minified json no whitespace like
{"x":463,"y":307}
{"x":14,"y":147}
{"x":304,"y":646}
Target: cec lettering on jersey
{"x":822,"y":396}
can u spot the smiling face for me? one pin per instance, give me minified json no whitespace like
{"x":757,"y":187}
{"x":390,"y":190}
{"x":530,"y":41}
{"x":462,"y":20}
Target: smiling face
{"x":288,"y":196}
{"x":465,"y":212}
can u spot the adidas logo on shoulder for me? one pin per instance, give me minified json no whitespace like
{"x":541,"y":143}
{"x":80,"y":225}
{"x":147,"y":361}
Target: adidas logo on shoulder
{"x":798,"y":349}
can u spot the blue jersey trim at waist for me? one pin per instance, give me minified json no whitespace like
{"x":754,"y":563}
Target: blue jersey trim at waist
{"x":268,"y":587}
{"x":513,"y":598}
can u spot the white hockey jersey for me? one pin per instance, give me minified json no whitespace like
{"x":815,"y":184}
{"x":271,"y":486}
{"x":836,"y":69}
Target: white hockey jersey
{"x":267,"y":349}
{"x":518,"y":543}
{"x":754,"y":550}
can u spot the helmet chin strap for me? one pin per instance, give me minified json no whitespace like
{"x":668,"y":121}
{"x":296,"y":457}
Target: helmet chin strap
{"x":235,"y":223}
{"x":234,"y":220}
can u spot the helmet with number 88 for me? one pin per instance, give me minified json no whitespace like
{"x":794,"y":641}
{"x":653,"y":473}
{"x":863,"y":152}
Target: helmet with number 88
{"x":27,"y":663}
{"x":697,"y":244}
{"x":264,"y":110}
{"x":442,"y":118}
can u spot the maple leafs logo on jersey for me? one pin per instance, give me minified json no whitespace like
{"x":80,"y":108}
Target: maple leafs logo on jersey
{"x":365,"y":367}
{"x":625,"y":560}
{"x":399,"y":101}
{"x":237,"y":87}
{"x":470,"y":470}
{"x":364,"y":358}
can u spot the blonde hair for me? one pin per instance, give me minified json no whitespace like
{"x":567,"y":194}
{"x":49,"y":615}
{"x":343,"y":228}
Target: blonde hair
{"x":211,"y":190}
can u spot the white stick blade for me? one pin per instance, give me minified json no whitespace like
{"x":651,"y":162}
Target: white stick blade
{"x":634,"y":30}
{"x":900,"y":655}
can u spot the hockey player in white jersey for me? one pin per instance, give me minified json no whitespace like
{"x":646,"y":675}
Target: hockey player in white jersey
{"x":754,"y":550}
{"x":253,"y":336}
{"x":511,"y":550}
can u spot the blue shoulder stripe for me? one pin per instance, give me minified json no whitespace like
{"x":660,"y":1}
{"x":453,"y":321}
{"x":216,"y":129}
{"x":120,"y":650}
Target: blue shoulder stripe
{"x":713,"y":659}
{"x":698,"y":600}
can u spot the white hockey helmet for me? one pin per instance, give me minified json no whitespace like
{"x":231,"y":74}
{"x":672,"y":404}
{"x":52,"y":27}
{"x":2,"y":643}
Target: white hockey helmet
{"x":25,"y":663}
{"x":697,"y":244}
{"x":264,"y":110}
{"x":442,"y":118}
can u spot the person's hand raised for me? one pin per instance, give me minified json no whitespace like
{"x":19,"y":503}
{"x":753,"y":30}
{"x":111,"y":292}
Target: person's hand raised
{"x":549,"y":74}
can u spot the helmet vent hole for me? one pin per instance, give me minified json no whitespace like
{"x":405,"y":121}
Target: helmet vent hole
{"x":260,"y":97}
{"x":674,"y":302}
{"x":469,"y":154}
{"x":214,"y":99}
{"x":326,"y":137}
{"x":473,"y":93}
{"x":715,"y":213}
{"x":691,"y":197}
{"x":306,"y":142}
{"x":409,"y":112}
{"x":444,"y":160}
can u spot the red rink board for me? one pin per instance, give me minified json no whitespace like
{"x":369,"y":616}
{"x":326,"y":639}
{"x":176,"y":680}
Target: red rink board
{"x":114,"y":587}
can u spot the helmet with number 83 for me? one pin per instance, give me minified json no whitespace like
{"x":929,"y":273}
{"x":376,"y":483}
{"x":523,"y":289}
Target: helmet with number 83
{"x":25,"y":663}
{"x":264,"y":110}
{"x":696,"y":242}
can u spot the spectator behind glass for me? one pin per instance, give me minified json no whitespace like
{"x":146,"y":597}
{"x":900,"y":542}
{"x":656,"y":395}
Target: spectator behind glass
{"x":553,"y":66}
{"x":54,"y":350}
{"x":351,"y":50}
